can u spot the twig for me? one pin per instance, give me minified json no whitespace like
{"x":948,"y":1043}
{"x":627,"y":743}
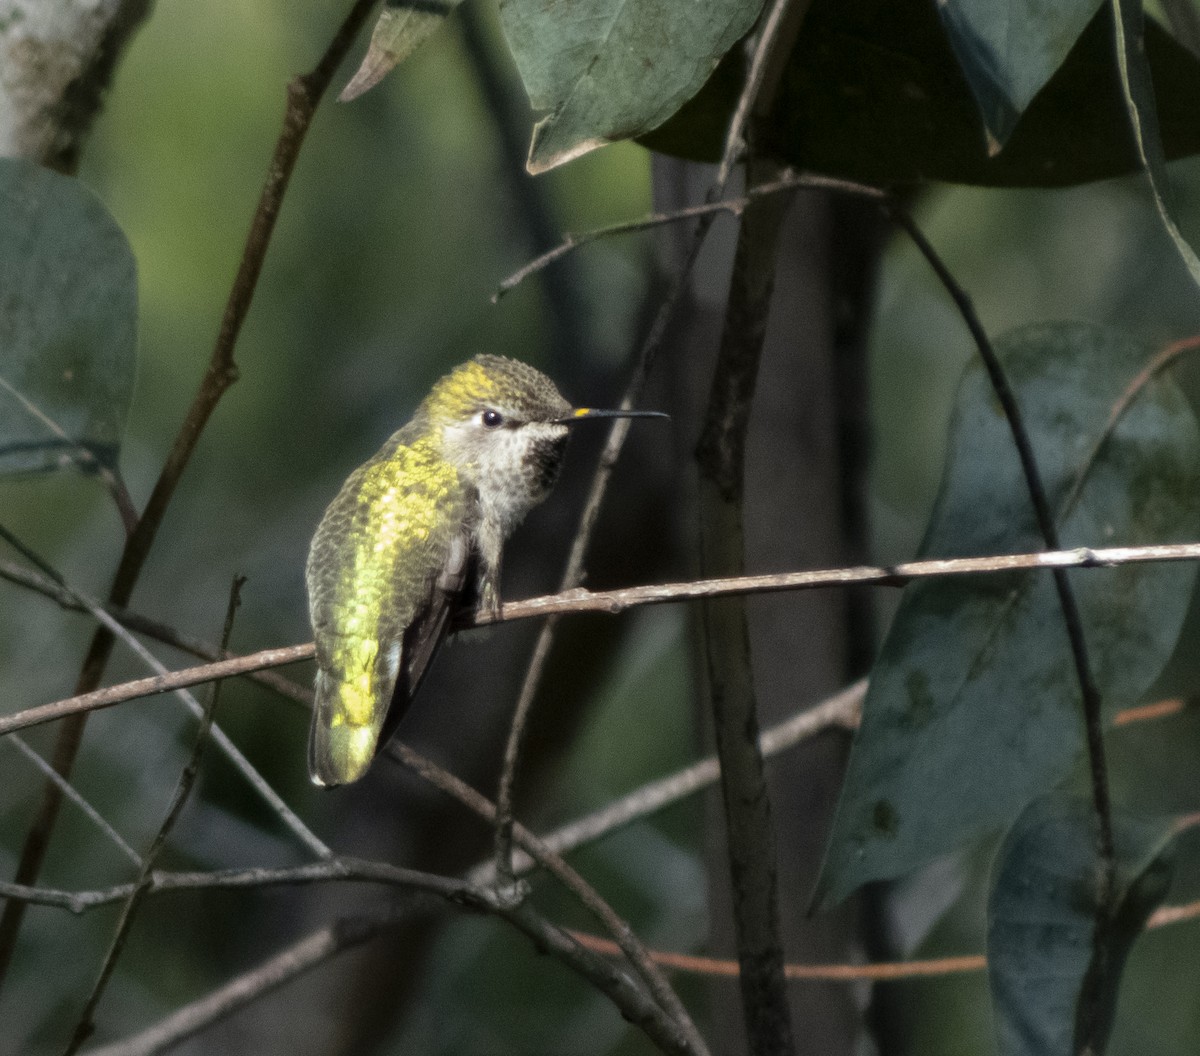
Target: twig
{"x":733,"y":206}
{"x":1156,"y":366}
{"x":144,"y":625}
{"x":76,"y":797}
{"x":331,"y":870}
{"x":243,"y":765}
{"x":591,"y":900}
{"x":348,"y":932}
{"x":86,"y":1024}
{"x":304,"y":93}
{"x":167,"y":682}
{"x":84,"y":458}
{"x":1093,"y":717}
{"x":817,"y":973}
{"x":614,"y":602}
{"x":842,"y":709}
{"x":297,"y":959}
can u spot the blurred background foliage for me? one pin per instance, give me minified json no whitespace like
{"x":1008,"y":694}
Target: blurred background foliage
{"x":404,"y":213}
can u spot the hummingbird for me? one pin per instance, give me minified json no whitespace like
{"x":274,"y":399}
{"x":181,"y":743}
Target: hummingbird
{"x":414,"y":536}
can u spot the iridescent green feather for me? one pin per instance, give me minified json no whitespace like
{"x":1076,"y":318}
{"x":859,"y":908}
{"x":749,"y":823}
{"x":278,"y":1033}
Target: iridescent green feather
{"x":372,"y":573}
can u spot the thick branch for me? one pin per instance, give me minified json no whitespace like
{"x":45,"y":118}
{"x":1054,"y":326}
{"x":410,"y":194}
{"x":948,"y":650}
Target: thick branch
{"x":721,"y":457}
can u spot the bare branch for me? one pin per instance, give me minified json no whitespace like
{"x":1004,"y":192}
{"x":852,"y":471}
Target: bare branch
{"x":167,"y":682}
{"x":842,"y":709}
{"x":614,"y":602}
{"x":149,"y":628}
{"x":732,"y":206}
{"x":331,"y":870}
{"x":323,"y":944}
{"x":591,"y":900}
{"x":76,"y":797}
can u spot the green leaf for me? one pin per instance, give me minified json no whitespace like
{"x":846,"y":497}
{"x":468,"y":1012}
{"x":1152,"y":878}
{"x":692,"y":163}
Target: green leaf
{"x":1009,"y":49}
{"x":614,"y":69}
{"x":68,"y":322}
{"x":1053,"y":976}
{"x":873,"y":92}
{"x":1138,"y":91}
{"x":402,"y":27}
{"x":973,"y":706}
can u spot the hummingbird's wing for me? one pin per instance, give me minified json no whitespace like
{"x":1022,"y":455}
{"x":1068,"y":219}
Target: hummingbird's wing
{"x":428,"y":629}
{"x":373,"y":574}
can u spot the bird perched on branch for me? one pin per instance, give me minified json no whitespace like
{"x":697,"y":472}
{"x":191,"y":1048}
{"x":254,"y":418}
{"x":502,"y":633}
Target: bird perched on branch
{"x":414,"y":534}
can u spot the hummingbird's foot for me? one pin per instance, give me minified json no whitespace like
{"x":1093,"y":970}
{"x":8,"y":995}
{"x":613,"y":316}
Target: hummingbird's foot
{"x":489,"y":601}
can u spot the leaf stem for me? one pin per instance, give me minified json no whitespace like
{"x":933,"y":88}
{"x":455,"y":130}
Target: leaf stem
{"x":1089,"y":691}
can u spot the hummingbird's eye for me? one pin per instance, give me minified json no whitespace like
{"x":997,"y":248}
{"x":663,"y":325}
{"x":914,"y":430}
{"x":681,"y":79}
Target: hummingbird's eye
{"x":491,"y":418}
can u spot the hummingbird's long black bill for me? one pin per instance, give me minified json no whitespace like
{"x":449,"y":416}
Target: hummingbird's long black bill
{"x":580,"y":413}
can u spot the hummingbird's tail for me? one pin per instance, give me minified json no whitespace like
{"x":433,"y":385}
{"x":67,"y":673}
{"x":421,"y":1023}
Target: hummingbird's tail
{"x":340,"y":749}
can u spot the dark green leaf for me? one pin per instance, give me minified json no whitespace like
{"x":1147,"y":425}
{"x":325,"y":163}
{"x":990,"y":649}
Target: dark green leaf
{"x":1053,"y":975}
{"x":402,"y":27}
{"x":973,"y":706}
{"x":873,"y":92}
{"x":1009,"y":49}
{"x":1138,"y":91}
{"x":68,"y":322}
{"x":613,"y":69}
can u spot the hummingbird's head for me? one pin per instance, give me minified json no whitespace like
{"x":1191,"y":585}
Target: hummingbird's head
{"x":503,"y":425}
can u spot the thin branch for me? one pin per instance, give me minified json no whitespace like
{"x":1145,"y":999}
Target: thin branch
{"x":76,"y":797}
{"x":588,"y":897}
{"x":84,"y":458}
{"x":733,"y":206}
{"x":1156,"y":366}
{"x":147,"y":627}
{"x":614,"y":602}
{"x":304,"y":93}
{"x":842,"y":709}
{"x":330,"y":870}
{"x":893,"y":971}
{"x":816,"y":973}
{"x":85,"y":1027}
{"x":355,"y":870}
{"x":300,"y":957}
{"x":1089,"y":690}
{"x":231,"y":752}
{"x":167,"y":682}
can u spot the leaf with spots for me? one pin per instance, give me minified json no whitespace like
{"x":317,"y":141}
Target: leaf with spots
{"x":973,"y":707}
{"x":68,"y":323}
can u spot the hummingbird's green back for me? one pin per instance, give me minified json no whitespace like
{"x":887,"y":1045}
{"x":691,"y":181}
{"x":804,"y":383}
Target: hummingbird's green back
{"x":395,"y":529}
